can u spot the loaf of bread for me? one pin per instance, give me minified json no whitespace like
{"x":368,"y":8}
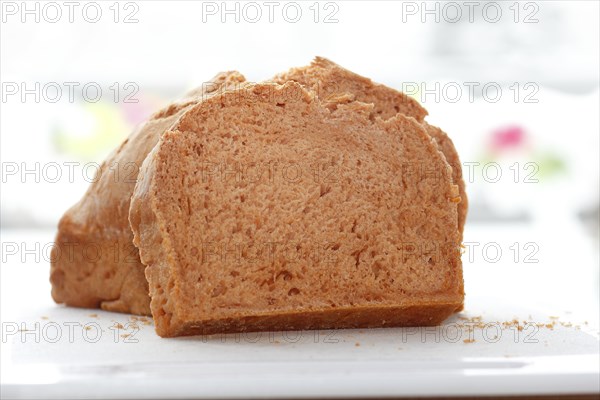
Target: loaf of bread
{"x":334,"y":84}
{"x":94,"y":262}
{"x":268,"y":208}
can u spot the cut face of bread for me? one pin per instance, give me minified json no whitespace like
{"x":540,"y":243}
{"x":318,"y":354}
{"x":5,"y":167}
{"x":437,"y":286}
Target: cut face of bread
{"x":335,"y":85}
{"x":263,"y":209}
{"x":94,"y":262}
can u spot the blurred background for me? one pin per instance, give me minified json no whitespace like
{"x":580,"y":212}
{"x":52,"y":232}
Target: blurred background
{"x":515,"y":85}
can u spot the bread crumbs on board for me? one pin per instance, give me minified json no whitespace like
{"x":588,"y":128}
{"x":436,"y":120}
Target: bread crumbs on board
{"x":477,"y":322}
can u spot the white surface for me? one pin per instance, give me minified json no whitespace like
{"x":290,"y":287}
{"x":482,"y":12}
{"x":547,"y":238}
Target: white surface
{"x":378,"y":362}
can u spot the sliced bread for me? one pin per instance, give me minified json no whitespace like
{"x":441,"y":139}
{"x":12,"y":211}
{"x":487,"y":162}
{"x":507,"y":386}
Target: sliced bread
{"x":263,"y":209}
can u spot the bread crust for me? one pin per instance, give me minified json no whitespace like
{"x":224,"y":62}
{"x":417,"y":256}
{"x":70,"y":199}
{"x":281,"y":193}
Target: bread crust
{"x":173,"y":294}
{"x":407,"y":315}
{"x":447,"y":148}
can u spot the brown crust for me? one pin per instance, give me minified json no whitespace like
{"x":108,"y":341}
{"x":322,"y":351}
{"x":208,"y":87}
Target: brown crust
{"x":334,"y":85}
{"x":447,"y":147}
{"x":171,"y":305}
{"x":430,"y":314}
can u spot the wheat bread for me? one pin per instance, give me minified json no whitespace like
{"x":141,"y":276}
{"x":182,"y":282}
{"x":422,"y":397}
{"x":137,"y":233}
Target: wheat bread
{"x":265,"y":209}
{"x":94,"y":262}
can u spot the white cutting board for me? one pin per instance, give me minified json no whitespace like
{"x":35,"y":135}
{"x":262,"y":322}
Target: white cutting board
{"x":75,"y":353}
